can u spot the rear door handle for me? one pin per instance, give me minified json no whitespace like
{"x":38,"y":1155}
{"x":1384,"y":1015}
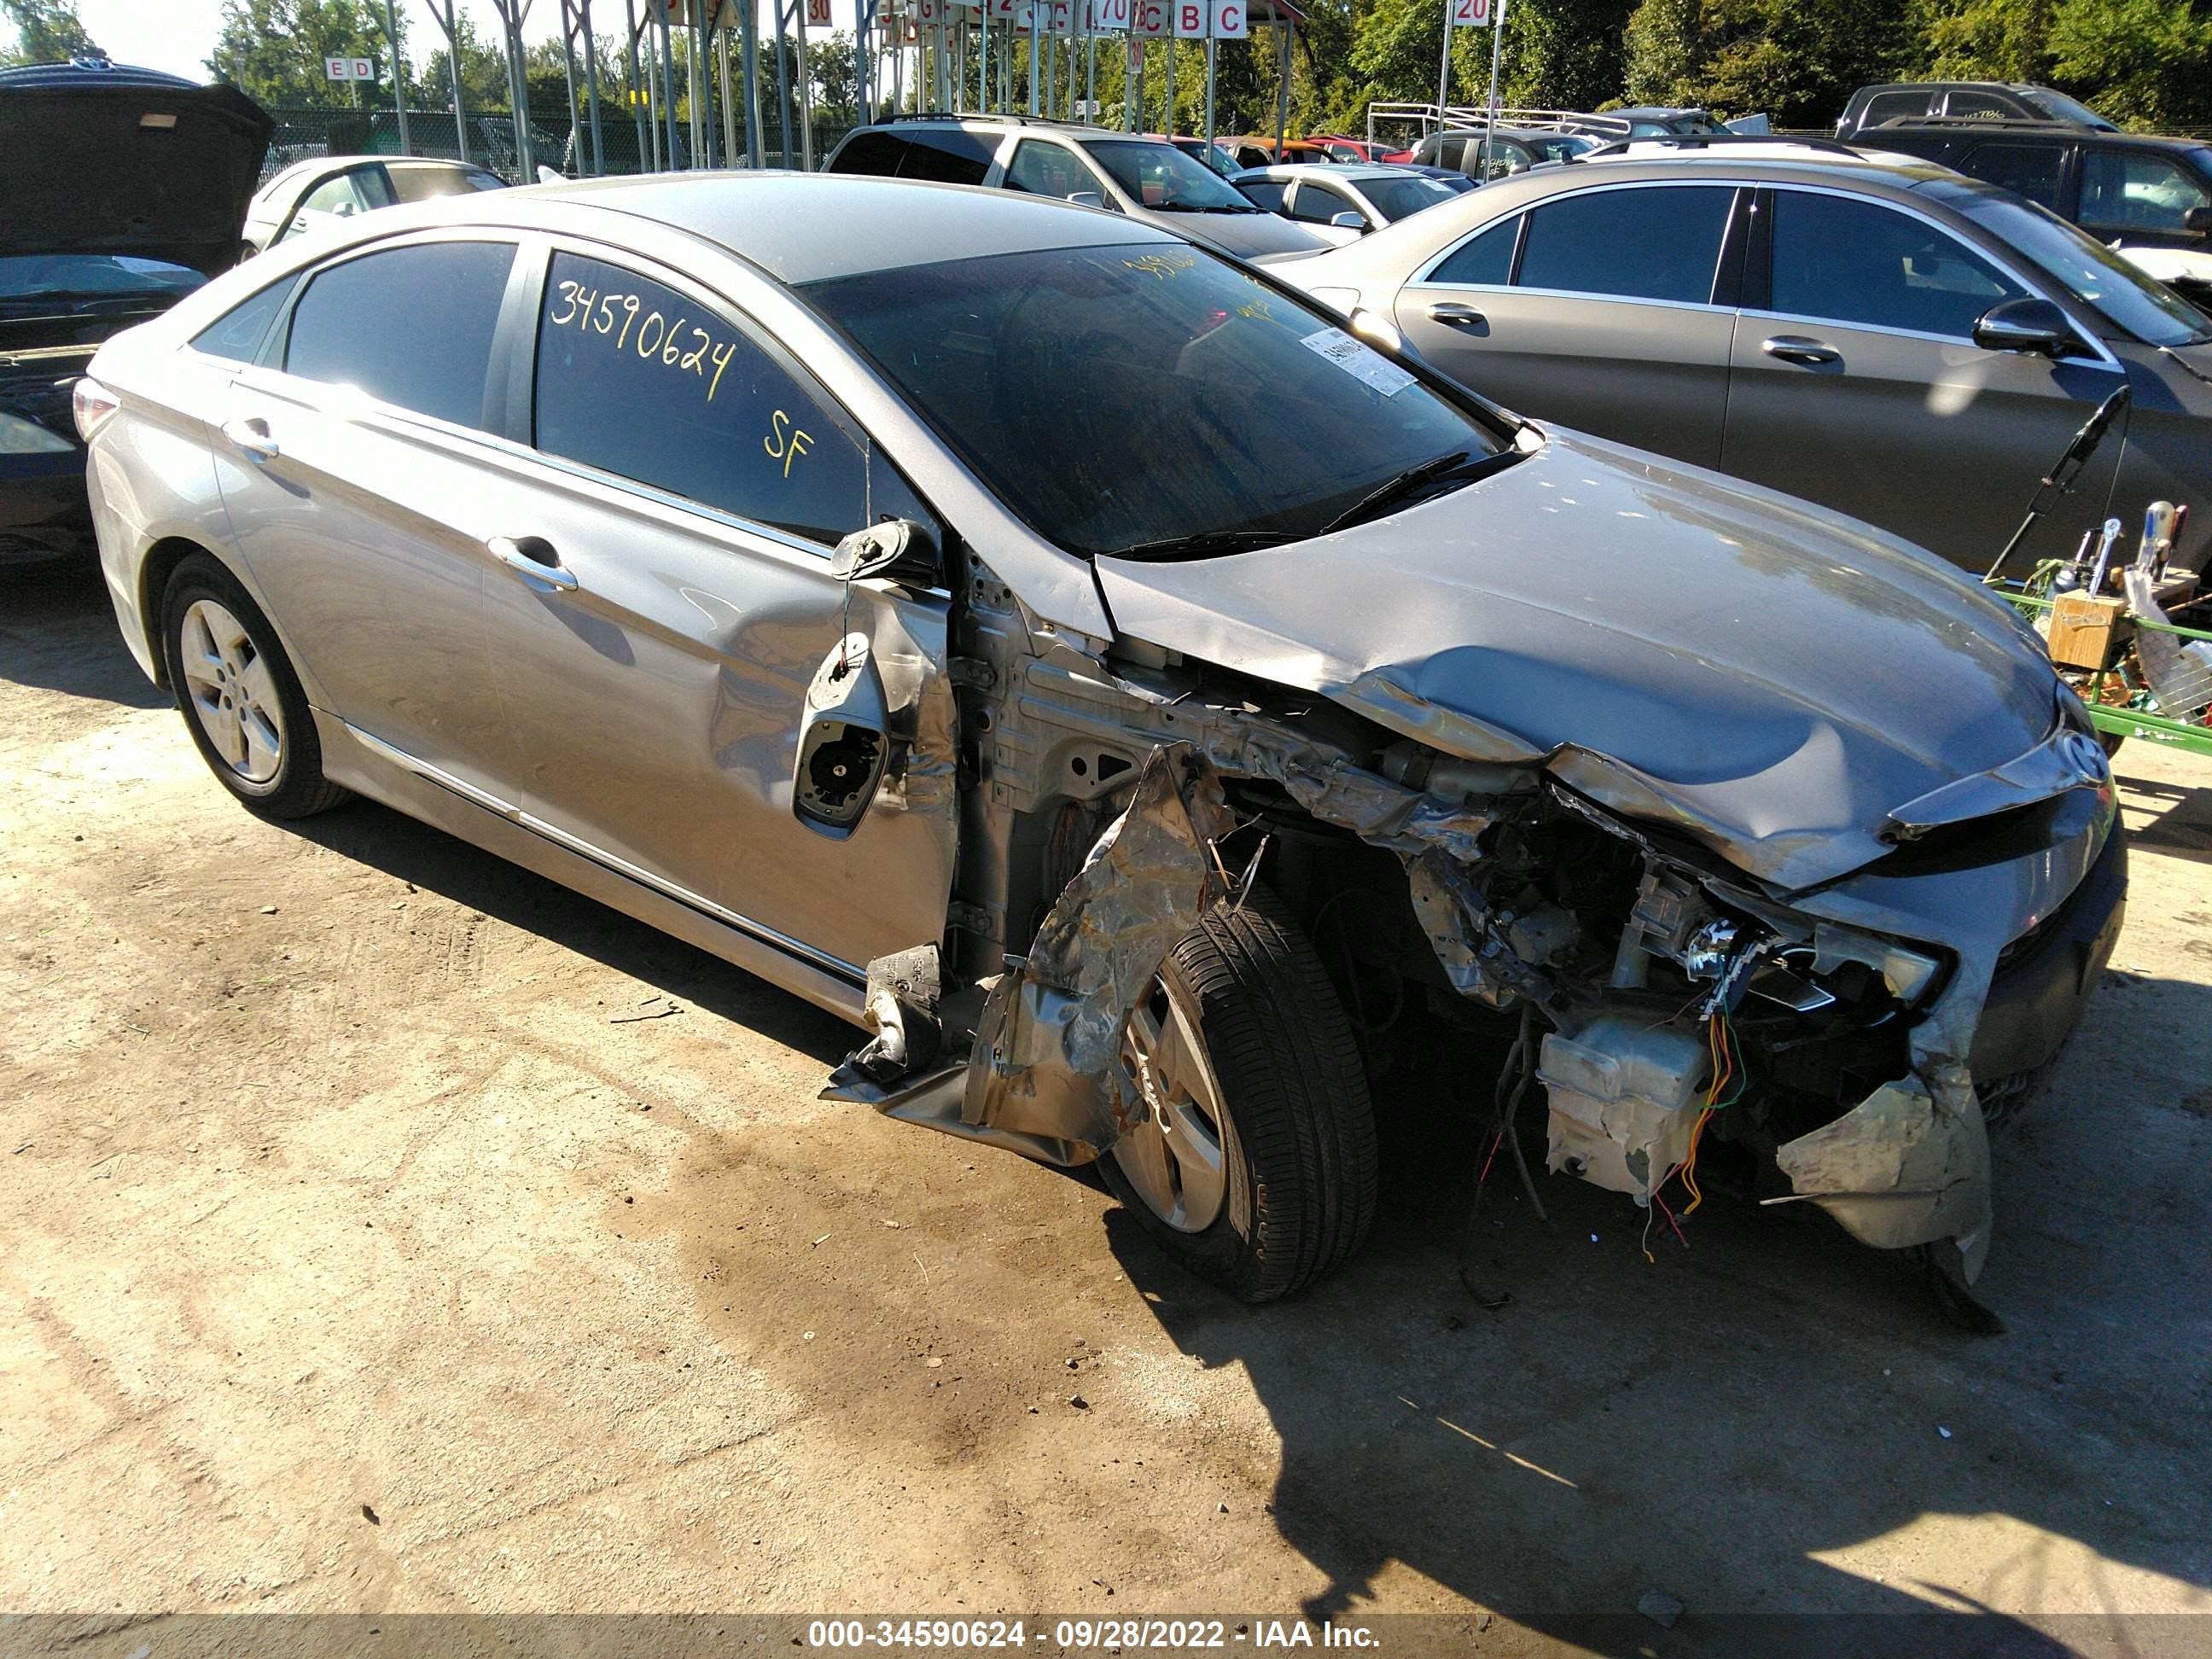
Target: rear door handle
{"x":251,"y":437}
{"x":534,"y":557}
{"x":1453,"y":315}
{"x":1797,"y":348}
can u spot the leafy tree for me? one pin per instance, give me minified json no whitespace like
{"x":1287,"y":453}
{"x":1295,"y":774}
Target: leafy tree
{"x":2144,"y":63}
{"x":275,"y":49}
{"x":46,"y":32}
{"x":483,"y":70}
{"x":836,"y":83}
{"x":1664,"y":51}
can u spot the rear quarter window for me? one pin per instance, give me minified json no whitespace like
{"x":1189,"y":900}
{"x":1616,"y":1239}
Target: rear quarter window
{"x":948,"y":155}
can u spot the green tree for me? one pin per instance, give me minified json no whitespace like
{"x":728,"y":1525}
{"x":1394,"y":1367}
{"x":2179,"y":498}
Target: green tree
{"x":2142,"y":63}
{"x":1664,"y":50}
{"x":275,"y":49}
{"x":46,"y":32}
{"x":483,"y":70}
{"x":836,"y":80}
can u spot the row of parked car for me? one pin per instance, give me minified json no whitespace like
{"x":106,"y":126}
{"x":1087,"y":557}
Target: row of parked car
{"x":1088,"y":662}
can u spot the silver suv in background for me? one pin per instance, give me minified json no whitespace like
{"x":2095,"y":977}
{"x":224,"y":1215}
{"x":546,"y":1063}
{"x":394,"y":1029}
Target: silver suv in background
{"x":1886,"y":339}
{"x":1150,"y":179}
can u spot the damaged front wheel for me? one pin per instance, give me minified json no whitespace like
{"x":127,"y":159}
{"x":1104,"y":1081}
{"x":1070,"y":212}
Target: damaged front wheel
{"x":1254,"y":1166}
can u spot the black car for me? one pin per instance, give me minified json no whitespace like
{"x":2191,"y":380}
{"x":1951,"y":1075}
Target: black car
{"x":124,"y":189}
{"x":1977,"y":101}
{"x":2128,"y":190}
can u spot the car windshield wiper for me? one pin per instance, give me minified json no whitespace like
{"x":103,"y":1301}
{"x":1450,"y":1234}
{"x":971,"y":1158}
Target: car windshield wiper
{"x":1207,"y":544}
{"x":1392,"y":490}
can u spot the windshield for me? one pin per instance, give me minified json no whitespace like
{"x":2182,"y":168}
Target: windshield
{"x":1399,"y":198}
{"x":2060,"y":107}
{"x":91,"y":277}
{"x":2081,"y":264}
{"x":1186,"y":397}
{"x":1162,"y":177}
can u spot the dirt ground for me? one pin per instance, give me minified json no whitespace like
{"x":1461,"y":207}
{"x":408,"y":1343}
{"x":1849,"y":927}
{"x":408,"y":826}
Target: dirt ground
{"x":371,"y":1246}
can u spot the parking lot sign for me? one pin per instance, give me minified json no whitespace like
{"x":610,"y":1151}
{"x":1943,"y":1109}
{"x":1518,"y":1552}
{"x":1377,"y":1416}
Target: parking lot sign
{"x":1475,"y":14}
{"x":1229,"y":21}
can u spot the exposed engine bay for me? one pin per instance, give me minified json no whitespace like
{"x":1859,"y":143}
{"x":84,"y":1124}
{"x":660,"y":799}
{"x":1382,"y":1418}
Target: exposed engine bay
{"x":1667,"y":1008}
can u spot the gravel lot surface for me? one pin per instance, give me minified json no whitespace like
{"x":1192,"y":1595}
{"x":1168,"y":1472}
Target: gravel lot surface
{"x":391,"y":1230}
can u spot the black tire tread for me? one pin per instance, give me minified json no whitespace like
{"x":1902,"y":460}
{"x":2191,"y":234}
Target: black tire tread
{"x":1283,"y":1052}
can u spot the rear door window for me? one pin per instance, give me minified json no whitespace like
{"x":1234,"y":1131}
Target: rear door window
{"x":876,"y":153}
{"x":948,"y":155}
{"x":646,"y":383}
{"x":2026,"y":169}
{"x":1986,"y":106}
{"x":1046,"y":169}
{"x":411,"y":326}
{"x":1264,"y":192}
{"x":1894,"y":106}
{"x":1660,"y":242}
{"x":1870,"y":266}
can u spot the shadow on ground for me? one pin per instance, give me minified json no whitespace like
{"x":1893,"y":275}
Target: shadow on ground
{"x":1738,"y":1409}
{"x":58,"y":631}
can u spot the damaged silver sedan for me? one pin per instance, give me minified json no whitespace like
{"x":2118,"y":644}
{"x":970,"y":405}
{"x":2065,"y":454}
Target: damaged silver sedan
{"x":1144,"y":703}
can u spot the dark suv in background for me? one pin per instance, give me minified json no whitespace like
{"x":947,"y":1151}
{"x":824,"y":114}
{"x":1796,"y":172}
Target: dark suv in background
{"x":1980,"y":101}
{"x":1148,"y":178}
{"x":2147,"y":198}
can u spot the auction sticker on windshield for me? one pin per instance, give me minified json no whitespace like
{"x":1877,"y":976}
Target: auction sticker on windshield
{"x":1358,"y":361}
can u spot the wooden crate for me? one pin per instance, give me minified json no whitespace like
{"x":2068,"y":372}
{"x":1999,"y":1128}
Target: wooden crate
{"x":2087,"y":630}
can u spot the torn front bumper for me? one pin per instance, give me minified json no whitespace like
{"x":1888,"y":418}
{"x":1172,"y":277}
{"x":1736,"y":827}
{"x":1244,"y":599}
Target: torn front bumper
{"x":1910,"y":1165}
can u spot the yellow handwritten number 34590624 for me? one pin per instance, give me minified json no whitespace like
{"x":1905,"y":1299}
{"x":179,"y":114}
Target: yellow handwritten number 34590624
{"x":785,"y":442}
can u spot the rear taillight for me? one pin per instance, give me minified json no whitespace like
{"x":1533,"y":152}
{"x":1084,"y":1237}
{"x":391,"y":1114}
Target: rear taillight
{"x":92,"y":404}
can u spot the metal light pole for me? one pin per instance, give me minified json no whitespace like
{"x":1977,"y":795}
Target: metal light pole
{"x":668,"y":80}
{"x":448,"y":22}
{"x":1490,"y":109}
{"x":398,"y":75}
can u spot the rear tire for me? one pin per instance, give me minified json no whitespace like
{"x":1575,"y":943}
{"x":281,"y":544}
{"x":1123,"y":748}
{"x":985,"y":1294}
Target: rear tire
{"x":241,"y":701}
{"x":1275,"y":1075}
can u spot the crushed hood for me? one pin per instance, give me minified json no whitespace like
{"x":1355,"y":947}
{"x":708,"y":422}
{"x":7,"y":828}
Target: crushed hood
{"x":127,"y":161}
{"x":1775,"y":681}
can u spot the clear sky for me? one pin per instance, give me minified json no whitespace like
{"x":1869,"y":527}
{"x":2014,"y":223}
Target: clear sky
{"x":177,"y":35}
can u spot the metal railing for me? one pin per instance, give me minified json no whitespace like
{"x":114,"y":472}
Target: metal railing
{"x":1425,"y":118}
{"x":305,"y":133}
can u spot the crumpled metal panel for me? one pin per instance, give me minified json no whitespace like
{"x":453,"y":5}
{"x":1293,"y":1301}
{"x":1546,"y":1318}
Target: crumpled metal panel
{"x":1907,"y":1165}
{"x":1910,"y":1163}
{"x":1682,"y":648}
{"x":1047,"y":1048}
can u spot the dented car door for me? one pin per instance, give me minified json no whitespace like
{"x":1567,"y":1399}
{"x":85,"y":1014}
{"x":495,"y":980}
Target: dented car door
{"x":663,"y":599}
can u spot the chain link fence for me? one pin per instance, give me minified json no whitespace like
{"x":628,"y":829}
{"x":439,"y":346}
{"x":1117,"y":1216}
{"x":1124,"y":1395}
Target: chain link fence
{"x":628,"y":146}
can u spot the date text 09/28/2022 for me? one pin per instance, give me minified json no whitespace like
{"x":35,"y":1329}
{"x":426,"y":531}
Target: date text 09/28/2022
{"x":1079,"y":1635}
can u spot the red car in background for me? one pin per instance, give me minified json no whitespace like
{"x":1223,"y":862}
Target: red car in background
{"x":1341,"y":149}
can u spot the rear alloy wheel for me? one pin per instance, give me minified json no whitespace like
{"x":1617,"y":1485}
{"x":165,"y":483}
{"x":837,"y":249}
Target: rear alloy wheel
{"x":241,"y":701}
{"x":1255,"y":1164}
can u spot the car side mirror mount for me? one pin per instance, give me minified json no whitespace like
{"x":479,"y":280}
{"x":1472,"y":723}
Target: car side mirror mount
{"x":844,"y":739}
{"x":1348,"y":222}
{"x":1089,"y":198}
{"x":2034,"y":327}
{"x":2198,"y":219}
{"x":898,"y":549}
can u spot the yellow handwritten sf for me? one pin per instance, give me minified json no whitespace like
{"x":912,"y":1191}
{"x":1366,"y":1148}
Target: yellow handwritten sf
{"x":783,"y":445}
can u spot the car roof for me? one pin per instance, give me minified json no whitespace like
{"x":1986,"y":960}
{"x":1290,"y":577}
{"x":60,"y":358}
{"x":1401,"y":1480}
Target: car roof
{"x":1759,"y":164}
{"x":1974,"y":126}
{"x":1350,"y":172}
{"x":808,"y":226}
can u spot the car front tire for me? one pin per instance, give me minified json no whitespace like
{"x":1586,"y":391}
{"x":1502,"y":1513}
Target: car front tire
{"x":240,"y":700}
{"x":1256,"y":1168}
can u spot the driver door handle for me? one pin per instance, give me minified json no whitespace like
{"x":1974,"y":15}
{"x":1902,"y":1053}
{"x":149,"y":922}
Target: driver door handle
{"x":252,"y":439}
{"x":1454,"y":315}
{"x":1798,"y":349}
{"x":534,"y":557}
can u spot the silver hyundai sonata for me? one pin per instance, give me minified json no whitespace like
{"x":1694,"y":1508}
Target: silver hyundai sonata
{"x":1145,"y":705}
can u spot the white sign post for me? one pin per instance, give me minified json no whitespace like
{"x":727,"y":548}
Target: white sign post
{"x":1472,"y":14}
